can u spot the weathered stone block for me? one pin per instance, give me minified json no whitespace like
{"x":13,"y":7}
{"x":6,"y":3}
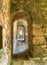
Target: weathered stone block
{"x":44,"y":25}
{"x":36,"y":61}
{"x":40,"y":51}
{"x":45,"y":60}
{"x":37,"y":51}
{"x":27,"y":62}
{"x":37,"y":31}
{"x":17,"y":62}
{"x":39,"y":40}
{"x":34,"y":25}
{"x":44,"y":48}
{"x":44,"y":30}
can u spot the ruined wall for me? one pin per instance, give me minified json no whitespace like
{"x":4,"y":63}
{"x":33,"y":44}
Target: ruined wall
{"x":37,"y":10}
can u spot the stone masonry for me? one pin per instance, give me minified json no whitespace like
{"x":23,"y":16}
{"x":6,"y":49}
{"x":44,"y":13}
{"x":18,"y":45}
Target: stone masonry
{"x":37,"y":9}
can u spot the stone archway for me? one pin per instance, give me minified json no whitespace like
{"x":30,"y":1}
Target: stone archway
{"x":22,"y":15}
{"x":7,"y":30}
{"x":20,"y":36}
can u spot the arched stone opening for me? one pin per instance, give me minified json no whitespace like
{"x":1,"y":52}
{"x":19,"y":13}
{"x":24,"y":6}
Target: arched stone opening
{"x":20,"y":36}
{"x":22,"y":15}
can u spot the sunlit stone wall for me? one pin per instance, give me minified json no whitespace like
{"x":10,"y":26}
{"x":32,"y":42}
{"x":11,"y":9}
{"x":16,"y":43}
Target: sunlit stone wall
{"x":38,"y":13}
{"x":37,"y":10}
{"x":6,"y":33}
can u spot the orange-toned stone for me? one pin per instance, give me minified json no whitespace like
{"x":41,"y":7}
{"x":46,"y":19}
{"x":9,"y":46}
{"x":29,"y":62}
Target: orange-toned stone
{"x":40,"y":51}
{"x":44,"y":30}
{"x":39,"y":40}
{"x":36,"y":25}
{"x":37,"y":31}
{"x":1,"y":20}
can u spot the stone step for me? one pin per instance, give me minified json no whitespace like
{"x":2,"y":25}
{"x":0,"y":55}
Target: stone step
{"x":31,"y":61}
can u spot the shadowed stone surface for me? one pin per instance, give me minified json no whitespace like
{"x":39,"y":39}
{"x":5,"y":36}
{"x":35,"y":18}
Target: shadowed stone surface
{"x":39,"y":40}
{"x":37,"y":10}
{"x":31,"y":61}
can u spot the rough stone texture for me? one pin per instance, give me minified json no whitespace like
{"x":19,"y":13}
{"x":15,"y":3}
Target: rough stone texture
{"x":40,"y":51}
{"x":39,"y":40}
{"x":31,"y":61}
{"x":37,"y":31}
{"x":37,"y":10}
{"x":1,"y":21}
{"x":6,"y":57}
{"x":17,"y":62}
{"x":44,"y":30}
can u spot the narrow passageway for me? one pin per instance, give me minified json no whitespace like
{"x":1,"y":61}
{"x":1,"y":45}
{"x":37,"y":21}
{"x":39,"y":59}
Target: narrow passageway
{"x":23,"y":32}
{"x":20,"y":48}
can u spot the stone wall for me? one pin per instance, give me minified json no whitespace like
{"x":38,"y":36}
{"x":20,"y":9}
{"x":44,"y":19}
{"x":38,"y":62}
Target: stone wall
{"x":31,"y":61}
{"x":37,"y":10}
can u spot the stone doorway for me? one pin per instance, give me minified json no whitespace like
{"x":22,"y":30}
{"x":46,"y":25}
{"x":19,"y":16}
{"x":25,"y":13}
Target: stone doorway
{"x":20,"y":19}
{"x":20,"y":36}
